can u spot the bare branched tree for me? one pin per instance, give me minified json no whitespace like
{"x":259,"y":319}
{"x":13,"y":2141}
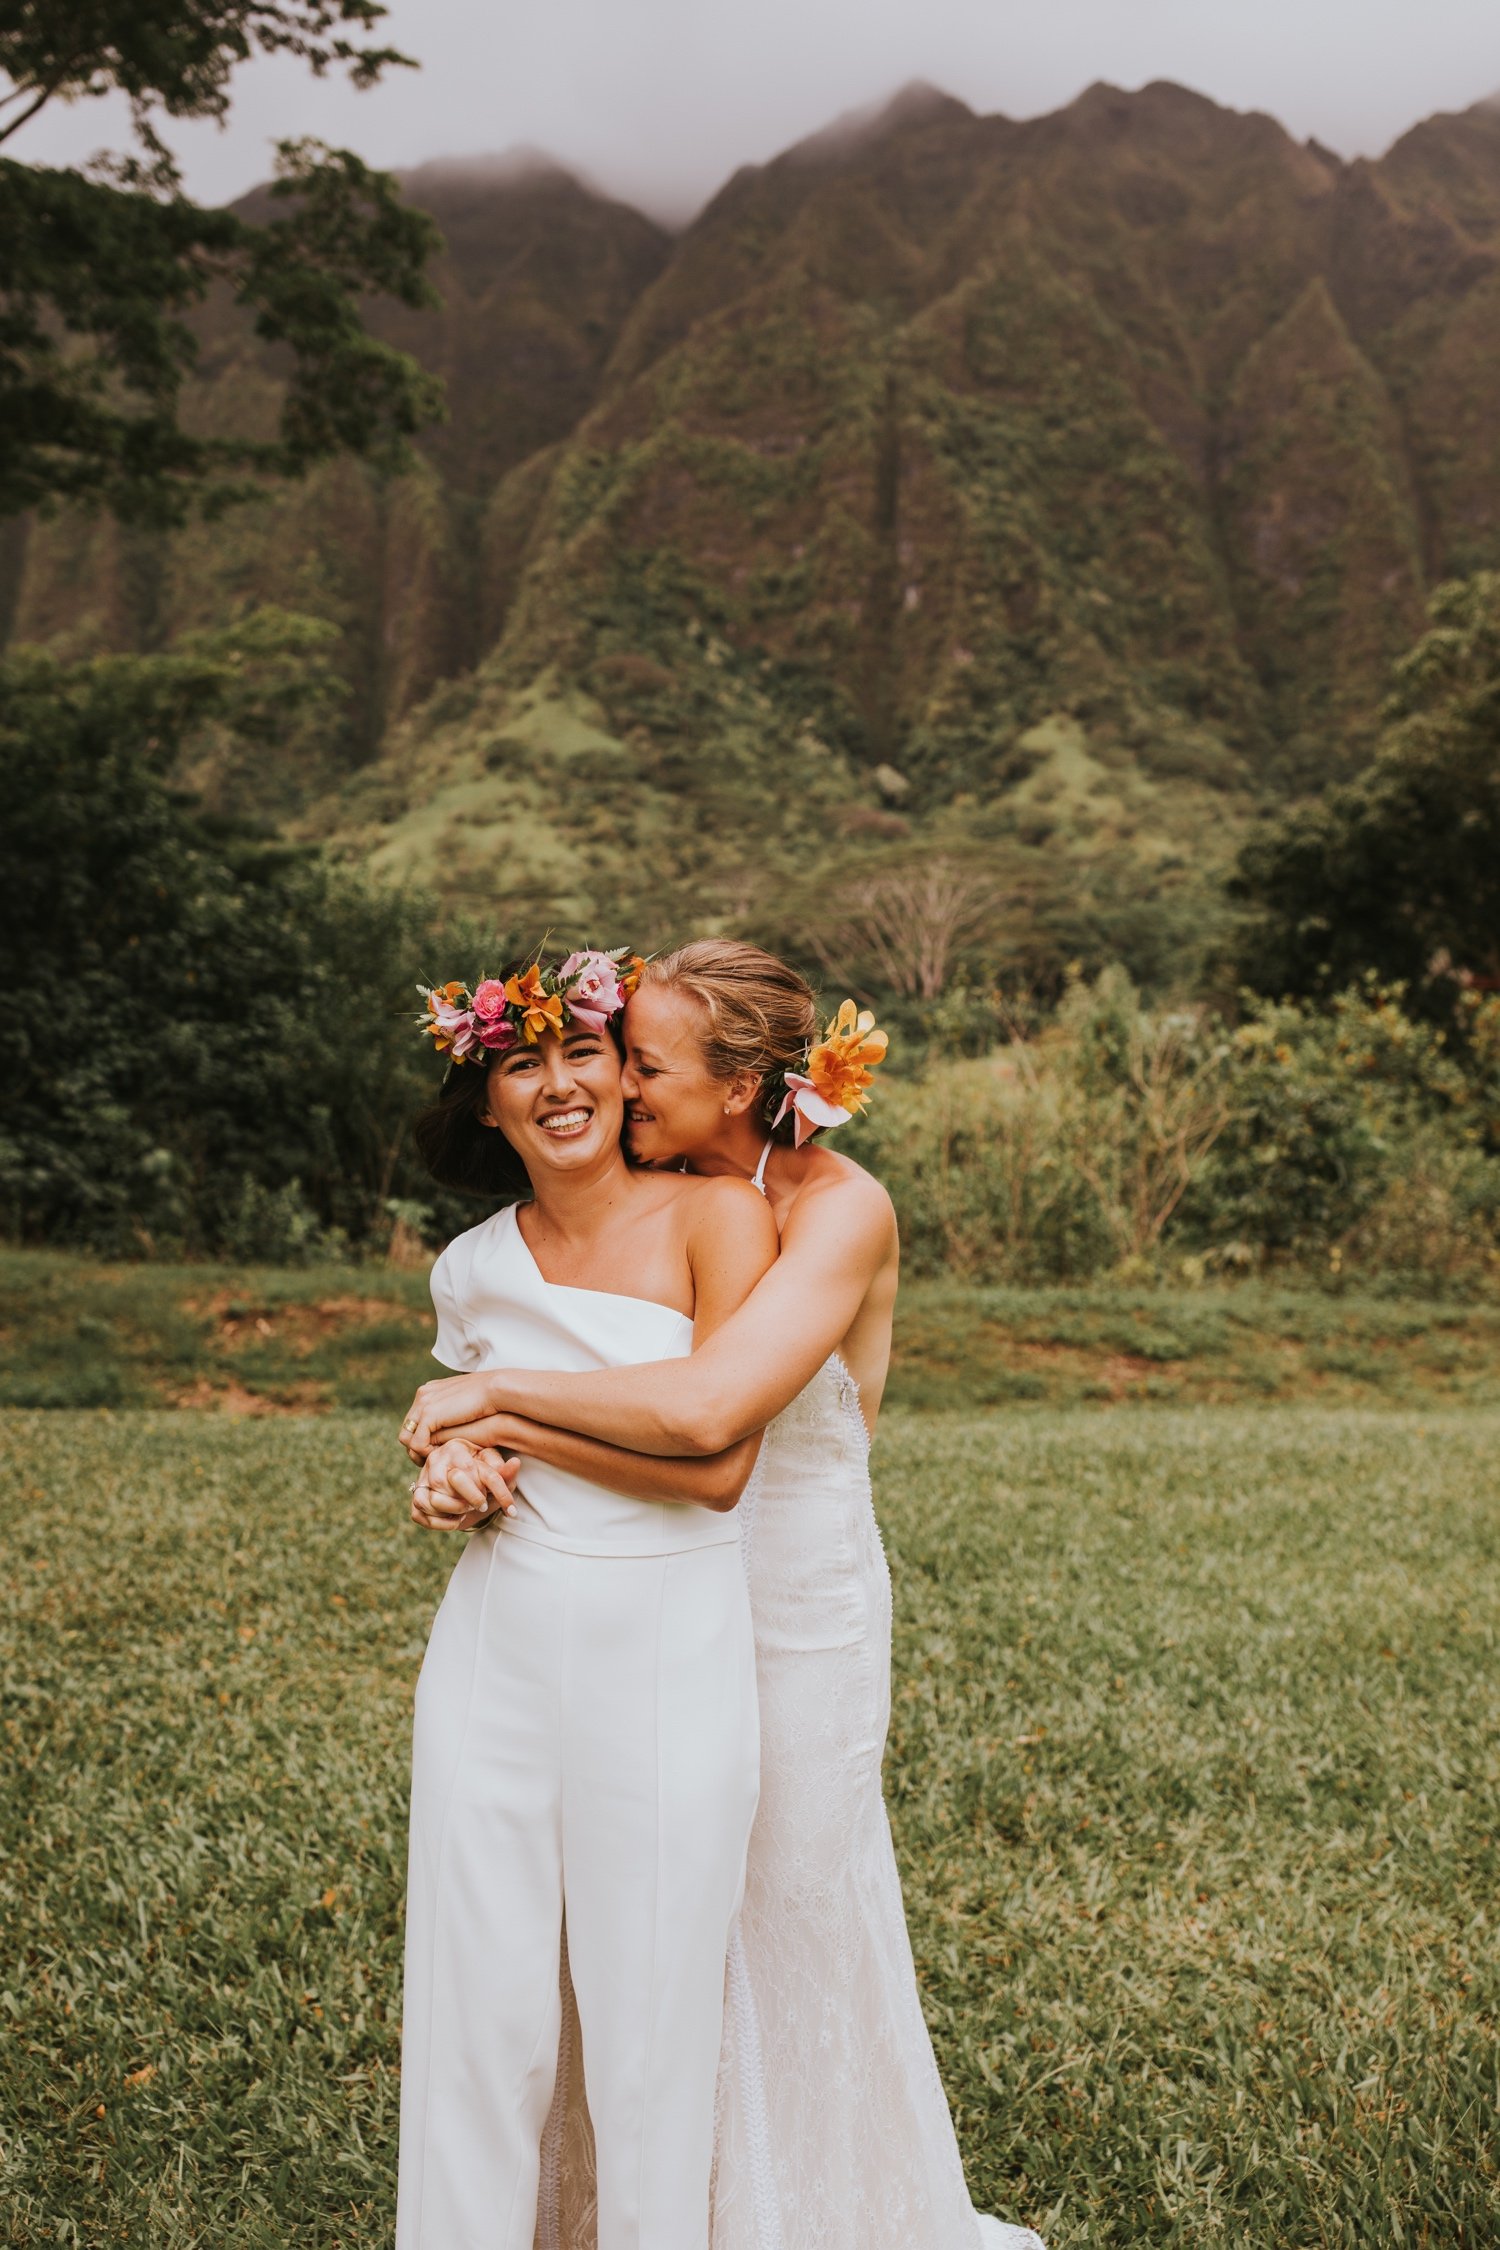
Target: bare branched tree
{"x":906,"y":925}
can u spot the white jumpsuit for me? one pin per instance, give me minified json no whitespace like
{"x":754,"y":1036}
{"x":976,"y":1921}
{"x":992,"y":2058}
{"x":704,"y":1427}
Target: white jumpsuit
{"x":585,"y":1755}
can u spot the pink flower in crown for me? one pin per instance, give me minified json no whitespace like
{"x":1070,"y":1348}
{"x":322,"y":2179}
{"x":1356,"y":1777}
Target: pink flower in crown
{"x":489,"y":999}
{"x":594,"y":995}
{"x":455,"y":1027}
{"x":498,"y":1034}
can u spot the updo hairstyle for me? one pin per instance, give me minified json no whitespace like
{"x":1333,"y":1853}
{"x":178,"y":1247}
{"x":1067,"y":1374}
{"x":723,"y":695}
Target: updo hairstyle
{"x":759,"y":1015}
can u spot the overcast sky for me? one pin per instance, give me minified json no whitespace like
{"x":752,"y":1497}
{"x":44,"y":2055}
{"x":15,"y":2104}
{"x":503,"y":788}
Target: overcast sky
{"x":659,"y":100}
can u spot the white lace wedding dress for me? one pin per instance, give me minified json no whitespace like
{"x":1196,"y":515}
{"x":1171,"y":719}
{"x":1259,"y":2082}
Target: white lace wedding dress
{"x":833,"y":2130}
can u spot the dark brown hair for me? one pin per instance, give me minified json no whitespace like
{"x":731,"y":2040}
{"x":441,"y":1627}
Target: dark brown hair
{"x":759,"y":1014}
{"x":458,"y":1150}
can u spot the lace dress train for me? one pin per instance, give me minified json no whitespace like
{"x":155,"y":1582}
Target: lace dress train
{"x":833,"y":2131}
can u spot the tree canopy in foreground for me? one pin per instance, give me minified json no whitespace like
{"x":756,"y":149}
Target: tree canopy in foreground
{"x":101,"y":268}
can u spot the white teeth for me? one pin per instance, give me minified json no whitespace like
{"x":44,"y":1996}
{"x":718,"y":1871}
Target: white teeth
{"x":566,"y":1121}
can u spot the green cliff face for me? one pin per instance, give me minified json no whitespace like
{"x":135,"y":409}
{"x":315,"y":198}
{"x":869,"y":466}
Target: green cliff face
{"x":537,"y":275}
{"x":1045,"y":493}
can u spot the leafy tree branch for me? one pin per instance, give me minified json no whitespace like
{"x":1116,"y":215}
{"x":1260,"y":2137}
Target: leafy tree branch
{"x":171,"y":55}
{"x":102,"y":271}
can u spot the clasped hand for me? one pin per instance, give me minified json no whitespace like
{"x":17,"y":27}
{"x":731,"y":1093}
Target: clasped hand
{"x":461,"y":1486}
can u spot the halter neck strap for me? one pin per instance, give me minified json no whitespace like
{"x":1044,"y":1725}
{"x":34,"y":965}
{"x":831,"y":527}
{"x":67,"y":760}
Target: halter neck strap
{"x":760,"y":1169}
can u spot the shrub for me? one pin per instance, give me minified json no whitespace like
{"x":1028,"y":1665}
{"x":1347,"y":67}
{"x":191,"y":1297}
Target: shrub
{"x":1054,"y":1159}
{"x":1351,"y":1137}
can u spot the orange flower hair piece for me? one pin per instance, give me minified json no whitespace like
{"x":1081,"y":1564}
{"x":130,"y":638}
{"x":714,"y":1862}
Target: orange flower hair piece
{"x":833,"y":1083}
{"x":536,"y":1010}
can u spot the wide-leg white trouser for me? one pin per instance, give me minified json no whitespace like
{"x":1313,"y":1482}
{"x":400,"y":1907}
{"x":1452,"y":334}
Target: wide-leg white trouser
{"x":586,"y":1747}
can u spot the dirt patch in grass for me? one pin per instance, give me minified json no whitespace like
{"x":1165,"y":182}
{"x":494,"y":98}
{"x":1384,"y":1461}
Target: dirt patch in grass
{"x":233,"y":1398}
{"x":1122,"y":1371}
{"x":299,"y":1328}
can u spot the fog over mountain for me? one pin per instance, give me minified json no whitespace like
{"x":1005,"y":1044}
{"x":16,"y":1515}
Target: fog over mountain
{"x":660,"y":101}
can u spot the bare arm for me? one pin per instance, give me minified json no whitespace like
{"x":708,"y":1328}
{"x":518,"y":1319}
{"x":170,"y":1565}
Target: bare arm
{"x":712,"y":1480}
{"x":738,"y":1377}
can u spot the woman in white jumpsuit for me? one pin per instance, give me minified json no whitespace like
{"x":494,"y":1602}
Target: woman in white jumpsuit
{"x":585,"y":1760}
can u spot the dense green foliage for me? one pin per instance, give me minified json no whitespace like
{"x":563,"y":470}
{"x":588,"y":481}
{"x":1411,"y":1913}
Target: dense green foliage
{"x":1399,"y":871}
{"x":208,"y":1042}
{"x":1137,"y":1139}
{"x":99,"y":270}
{"x":1192,"y":1775}
{"x":214,"y":1052}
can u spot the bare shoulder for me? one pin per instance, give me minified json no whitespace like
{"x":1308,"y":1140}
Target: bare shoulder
{"x":833,"y":1188}
{"x":716,"y":1202}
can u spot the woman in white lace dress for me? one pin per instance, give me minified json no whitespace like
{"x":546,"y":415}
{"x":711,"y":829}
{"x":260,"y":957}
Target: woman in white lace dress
{"x":834,"y":2133}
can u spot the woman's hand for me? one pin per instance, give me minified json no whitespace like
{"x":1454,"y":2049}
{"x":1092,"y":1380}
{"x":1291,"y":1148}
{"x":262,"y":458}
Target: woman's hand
{"x":461,"y":1486}
{"x":444,"y":1404}
{"x":511,"y":1432}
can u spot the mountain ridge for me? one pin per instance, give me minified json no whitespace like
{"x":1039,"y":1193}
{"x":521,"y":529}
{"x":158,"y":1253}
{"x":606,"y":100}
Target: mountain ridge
{"x":1081,"y":475}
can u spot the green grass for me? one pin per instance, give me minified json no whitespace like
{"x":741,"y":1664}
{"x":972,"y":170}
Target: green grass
{"x":1194,"y":1776}
{"x":76,"y":1333}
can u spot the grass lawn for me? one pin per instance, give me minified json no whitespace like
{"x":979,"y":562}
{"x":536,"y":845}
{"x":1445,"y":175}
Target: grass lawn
{"x":1194,"y":1776}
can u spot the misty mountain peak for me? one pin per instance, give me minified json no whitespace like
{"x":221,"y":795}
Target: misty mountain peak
{"x":921,"y":103}
{"x":950,"y":424}
{"x":521,"y":166}
{"x":915,"y":104}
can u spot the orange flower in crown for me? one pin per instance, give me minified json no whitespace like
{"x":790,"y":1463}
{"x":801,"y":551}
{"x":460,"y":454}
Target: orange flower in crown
{"x":536,"y":1009}
{"x":834,"y":1081}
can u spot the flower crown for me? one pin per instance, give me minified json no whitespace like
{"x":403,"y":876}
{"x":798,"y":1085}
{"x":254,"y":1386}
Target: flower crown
{"x":588,"y":989}
{"x":833,"y":1084}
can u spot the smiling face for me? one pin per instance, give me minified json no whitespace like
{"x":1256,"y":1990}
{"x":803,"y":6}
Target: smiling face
{"x":559,"y":1103}
{"x":674,"y":1105}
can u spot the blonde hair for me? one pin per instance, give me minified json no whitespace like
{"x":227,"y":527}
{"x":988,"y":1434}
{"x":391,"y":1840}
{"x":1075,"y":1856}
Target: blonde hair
{"x":759,"y":1014}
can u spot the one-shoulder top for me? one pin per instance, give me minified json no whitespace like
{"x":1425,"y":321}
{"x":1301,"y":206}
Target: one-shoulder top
{"x":495,"y":1309}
